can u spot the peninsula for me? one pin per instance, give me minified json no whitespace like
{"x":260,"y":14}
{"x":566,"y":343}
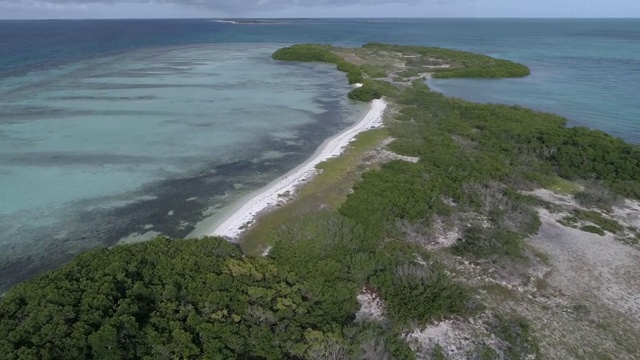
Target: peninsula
{"x":455,"y":230}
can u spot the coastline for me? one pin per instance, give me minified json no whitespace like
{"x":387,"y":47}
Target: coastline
{"x":520,"y":234}
{"x":236,"y":222}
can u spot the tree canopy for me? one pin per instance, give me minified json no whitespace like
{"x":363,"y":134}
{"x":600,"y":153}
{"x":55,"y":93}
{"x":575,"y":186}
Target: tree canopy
{"x":202,"y":299}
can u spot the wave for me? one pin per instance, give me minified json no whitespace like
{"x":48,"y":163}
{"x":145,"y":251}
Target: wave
{"x":225,"y":21}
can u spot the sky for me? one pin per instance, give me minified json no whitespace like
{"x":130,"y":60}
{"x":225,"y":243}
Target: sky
{"x":84,"y":9}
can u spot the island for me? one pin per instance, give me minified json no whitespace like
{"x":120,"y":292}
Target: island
{"x":450,"y":230}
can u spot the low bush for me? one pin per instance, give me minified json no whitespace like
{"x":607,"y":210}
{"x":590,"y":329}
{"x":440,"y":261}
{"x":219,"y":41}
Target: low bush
{"x":517,"y":333}
{"x":480,"y":241}
{"x":593,"y":229}
{"x":597,"y":218}
{"x":597,"y":194}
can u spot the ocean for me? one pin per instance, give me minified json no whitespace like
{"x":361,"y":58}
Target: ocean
{"x":116,"y":131}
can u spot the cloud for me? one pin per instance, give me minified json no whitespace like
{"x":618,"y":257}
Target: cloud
{"x":239,"y":5}
{"x":261,"y":5}
{"x":213,"y":8}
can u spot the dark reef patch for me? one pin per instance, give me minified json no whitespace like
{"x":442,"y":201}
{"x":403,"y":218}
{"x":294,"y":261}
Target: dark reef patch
{"x":171,"y":207}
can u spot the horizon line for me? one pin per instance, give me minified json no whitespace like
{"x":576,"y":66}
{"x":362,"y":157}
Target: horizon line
{"x":328,"y":18}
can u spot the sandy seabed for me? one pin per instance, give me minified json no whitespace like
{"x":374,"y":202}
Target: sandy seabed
{"x":235,"y":223}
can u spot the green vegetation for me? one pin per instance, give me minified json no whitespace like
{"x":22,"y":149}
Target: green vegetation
{"x":371,"y":89}
{"x":319,"y":53}
{"x":408,"y":74}
{"x":517,"y":333}
{"x":438,"y":353}
{"x":595,"y":217}
{"x":635,"y":240}
{"x":328,"y":189}
{"x":503,"y":149}
{"x":593,"y":229}
{"x":204,"y":299}
{"x":339,"y":254}
{"x":485,"y":353}
{"x":596,"y":194}
{"x":563,"y":186}
{"x":630,"y":240}
{"x":486,"y":242}
{"x":190,"y":299}
{"x":193,"y":299}
{"x":569,"y":221}
{"x":461,"y":64}
{"x":601,"y":223}
{"x":374,"y":71}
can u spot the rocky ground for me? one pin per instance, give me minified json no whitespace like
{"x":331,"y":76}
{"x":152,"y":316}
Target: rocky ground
{"x":579,"y":290}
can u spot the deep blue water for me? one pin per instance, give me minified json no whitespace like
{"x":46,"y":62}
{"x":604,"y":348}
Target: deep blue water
{"x":109,"y":128}
{"x":586,"y":70}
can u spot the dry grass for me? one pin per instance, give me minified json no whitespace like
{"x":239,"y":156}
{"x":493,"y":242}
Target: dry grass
{"x":326,"y":190}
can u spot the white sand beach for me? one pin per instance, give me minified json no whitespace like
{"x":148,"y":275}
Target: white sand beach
{"x":235,"y":223}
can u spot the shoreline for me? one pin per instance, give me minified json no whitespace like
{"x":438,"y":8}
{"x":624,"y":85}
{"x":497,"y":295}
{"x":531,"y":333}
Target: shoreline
{"x":281,"y":189}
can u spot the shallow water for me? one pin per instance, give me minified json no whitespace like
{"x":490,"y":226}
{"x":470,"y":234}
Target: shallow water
{"x":151,"y":141}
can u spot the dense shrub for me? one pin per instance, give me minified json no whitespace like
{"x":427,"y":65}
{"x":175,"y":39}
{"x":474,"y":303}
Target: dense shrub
{"x":464,"y":148}
{"x":334,"y":252}
{"x":365,"y":93}
{"x":308,"y":53}
{"x":480,"y":241}
{"x":462,"y":64}
{"x":319,"y":53}
{"x":417,"y":294}
{"x":182,"y":299}
{"x":593,"y":229}
{"x":188,"y":299}
{"x":372,"y":89}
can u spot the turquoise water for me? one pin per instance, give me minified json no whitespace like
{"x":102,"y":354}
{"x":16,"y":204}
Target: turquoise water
{"x":151,"y":141}
{"x":587,"y":71}
{"x":114,"y":128}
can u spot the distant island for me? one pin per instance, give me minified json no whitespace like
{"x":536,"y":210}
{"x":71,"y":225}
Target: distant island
{"x":254,"y":21}
{"x":455,"y":230}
